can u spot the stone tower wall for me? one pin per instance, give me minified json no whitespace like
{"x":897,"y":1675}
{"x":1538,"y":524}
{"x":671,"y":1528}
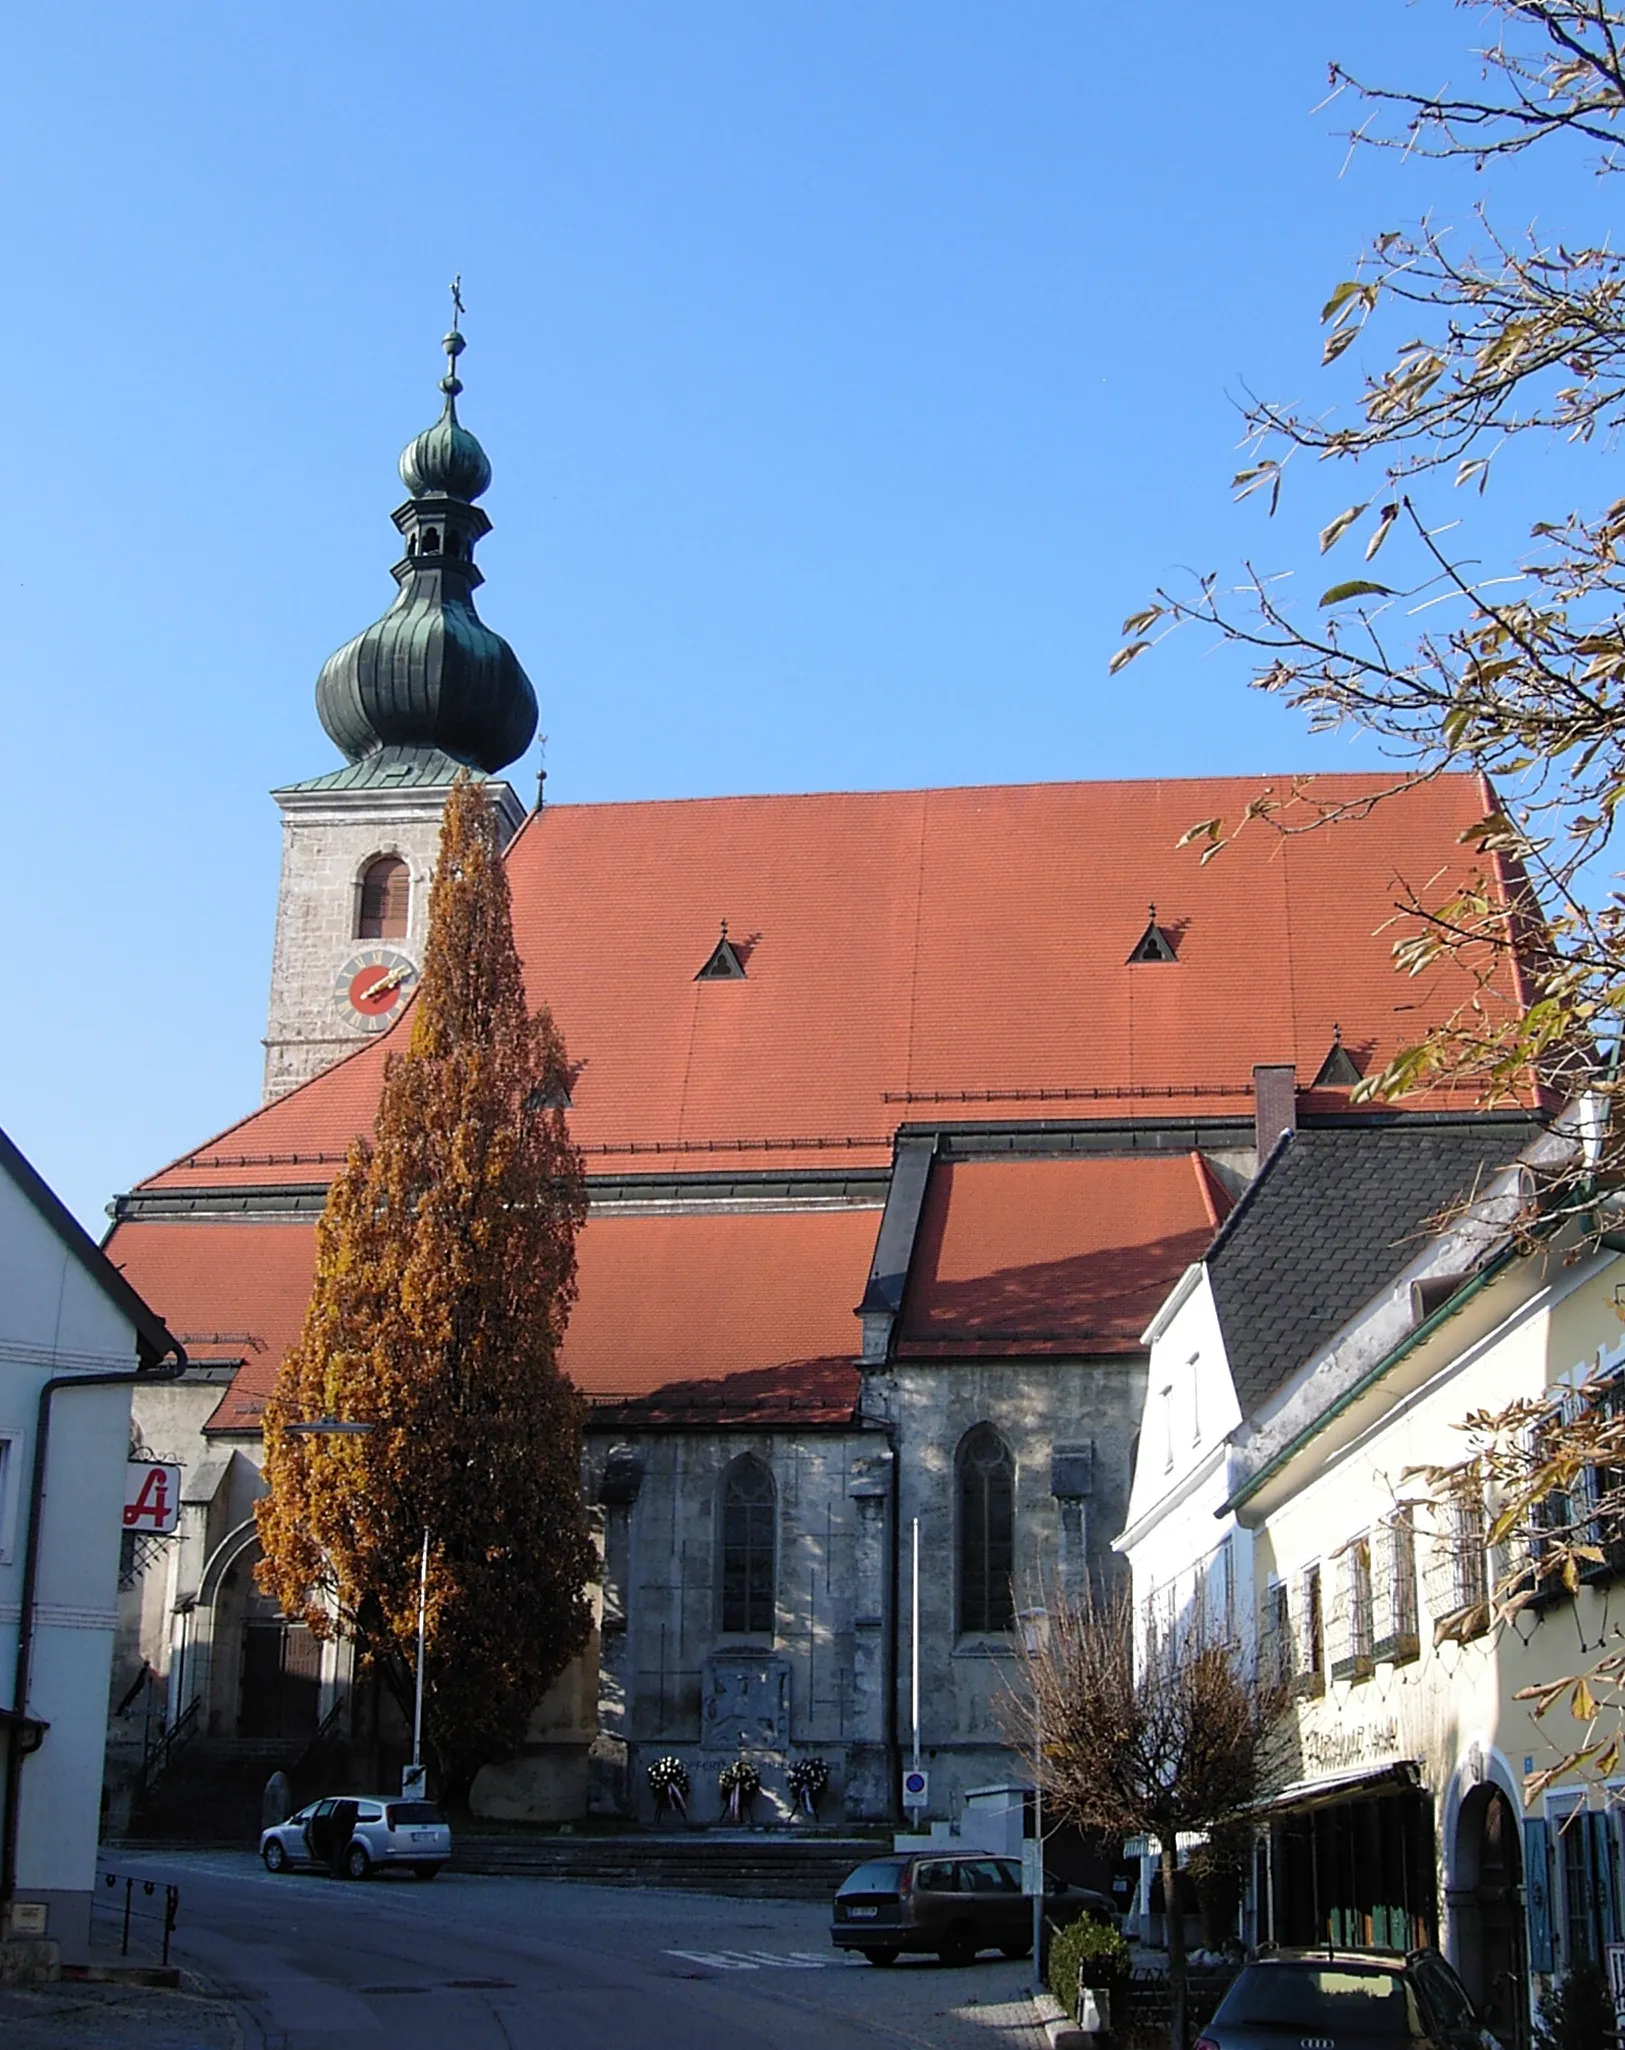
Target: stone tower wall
{"x":328,"y":840}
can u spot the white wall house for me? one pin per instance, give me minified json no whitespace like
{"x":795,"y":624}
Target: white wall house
{"x":74,"y":1338}
{"x":1334,"y":1337}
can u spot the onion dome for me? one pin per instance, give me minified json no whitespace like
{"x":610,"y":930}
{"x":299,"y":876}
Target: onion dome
{"x":445,"y":459}
{"x":431,"y":675}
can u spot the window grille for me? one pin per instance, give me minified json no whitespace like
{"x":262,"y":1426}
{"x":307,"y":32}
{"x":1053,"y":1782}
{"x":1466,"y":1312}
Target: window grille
{"x":1275,"y":1647}
{"x":1352,"y":1654}
{"x":1310,"y":1663}
{"x":748,"y":1516}
{"x":1393,"y":1618}
{"x":1459,"y":1580}
{"x":987,"y":1536}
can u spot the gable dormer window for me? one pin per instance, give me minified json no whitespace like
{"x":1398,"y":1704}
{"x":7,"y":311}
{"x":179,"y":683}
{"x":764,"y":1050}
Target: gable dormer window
{"x":723,"y":964}
{"x":1338,"y":1070}
{"x":1156,"y":943}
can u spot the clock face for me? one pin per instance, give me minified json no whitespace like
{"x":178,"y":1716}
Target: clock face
{"x":371,"y":987}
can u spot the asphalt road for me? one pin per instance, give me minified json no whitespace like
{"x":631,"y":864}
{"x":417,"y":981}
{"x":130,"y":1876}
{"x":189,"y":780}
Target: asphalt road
{"x":469,"y":1963}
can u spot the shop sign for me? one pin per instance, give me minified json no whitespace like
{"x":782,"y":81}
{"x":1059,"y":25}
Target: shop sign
{"x":152,"y":1497}
{"x":1350,"y":1744}
{"x":1616,"y":1981}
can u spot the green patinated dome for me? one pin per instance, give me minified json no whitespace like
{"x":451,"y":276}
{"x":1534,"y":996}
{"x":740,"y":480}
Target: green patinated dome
{"x":431,"y":676}
{"x":445,"y":460}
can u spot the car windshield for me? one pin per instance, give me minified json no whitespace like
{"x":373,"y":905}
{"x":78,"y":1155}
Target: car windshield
{"x":1353,"y":1999}
{"x":880,"y":1876}
{"x":414,"y":1811}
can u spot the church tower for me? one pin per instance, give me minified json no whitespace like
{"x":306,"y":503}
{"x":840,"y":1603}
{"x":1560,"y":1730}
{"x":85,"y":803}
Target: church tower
{"x":425,"y":694}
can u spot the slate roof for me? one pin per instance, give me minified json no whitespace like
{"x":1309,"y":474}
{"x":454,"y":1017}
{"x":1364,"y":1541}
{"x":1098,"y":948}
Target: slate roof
{"x":1052,"y":1256}
{"x":1335,"y":1215}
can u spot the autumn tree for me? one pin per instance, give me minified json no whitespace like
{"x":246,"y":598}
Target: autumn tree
{"x":1173,"y":1735}
{"x":1451,"y":343}
{"x":444,"y":1279}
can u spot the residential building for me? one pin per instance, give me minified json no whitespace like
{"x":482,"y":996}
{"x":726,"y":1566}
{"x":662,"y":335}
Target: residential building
{"x":76,"y":1342}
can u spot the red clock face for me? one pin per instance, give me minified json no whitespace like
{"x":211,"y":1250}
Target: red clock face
{"x":371,"y":987}
{"x":374,"y":991}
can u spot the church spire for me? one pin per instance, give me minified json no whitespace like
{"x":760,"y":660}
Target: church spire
{"x":430,"y":677}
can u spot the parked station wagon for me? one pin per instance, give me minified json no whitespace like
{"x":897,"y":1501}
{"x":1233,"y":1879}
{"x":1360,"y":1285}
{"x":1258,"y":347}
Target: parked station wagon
{"x":955,"y":1906}
{"x":411,"y":1834}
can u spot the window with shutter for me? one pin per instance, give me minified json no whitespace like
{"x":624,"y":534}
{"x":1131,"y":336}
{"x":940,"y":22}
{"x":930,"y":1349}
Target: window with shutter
{"x":386,"y":899}
{"x":1310,"y":1675}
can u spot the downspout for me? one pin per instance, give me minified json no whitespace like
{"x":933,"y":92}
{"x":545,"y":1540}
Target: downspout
{"x":124,"y":1377}
{"x":894,"y":1545}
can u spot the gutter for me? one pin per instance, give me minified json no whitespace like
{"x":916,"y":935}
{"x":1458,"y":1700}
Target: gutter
{"x":157,"y":1343}
{"x":1368,"y":1380}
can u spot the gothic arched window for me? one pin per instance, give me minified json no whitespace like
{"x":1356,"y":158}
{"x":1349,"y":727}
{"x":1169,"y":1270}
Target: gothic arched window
{"x":386,"y":899}
{"x":987,"y":1536}
{"x":748,"y":1517}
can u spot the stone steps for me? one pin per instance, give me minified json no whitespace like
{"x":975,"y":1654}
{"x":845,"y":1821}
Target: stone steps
{"x":766,"y":1867}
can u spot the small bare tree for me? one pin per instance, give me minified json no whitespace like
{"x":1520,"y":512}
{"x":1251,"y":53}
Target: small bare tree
{"x":1177,"y":1739}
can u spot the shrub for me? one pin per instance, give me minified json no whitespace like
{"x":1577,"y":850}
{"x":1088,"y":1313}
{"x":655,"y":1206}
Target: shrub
{"x":1090,"y":1943}
{"x":1578,"y":2012}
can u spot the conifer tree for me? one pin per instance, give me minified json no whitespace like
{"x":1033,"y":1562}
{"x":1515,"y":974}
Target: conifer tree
{"x":444,"y":1279}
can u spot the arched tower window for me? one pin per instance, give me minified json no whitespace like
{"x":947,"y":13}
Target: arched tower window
{"x":386,"y":899}
{"x":748,"y":1518}
{"x":987,"y":1536}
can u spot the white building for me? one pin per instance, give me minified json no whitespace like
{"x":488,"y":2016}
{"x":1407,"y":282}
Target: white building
{"x":74,"y":1339}
{"x":1364,"y":1297}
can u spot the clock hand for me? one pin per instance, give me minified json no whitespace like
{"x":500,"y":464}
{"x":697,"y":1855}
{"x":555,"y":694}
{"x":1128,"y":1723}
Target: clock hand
{"x":385,"y":983}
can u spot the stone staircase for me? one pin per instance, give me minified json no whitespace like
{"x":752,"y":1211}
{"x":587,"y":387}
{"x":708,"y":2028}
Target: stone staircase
{"x":743,"y":1863}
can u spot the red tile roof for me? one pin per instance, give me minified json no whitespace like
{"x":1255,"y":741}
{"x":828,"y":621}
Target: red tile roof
{"x":925,"y":954}
{"x":749,"y":1315}
{"x":1053,"y":1256}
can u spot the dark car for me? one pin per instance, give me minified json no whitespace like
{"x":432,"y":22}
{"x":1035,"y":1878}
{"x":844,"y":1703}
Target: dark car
{"x":955,"y":1906}
{"x":1346,"y":2000}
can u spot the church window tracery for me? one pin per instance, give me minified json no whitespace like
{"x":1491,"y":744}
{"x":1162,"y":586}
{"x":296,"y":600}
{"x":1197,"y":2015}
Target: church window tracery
{"x":749,"y":1516}
{"x":987,"y":1538}
{"x":386,"y":899}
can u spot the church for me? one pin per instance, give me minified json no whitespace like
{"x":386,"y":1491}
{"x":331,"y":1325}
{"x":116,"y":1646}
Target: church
{"x":901,"y":1113}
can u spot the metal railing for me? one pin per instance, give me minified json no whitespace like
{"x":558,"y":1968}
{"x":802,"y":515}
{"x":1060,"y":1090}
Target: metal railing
{"x":156,"y":1759}
{"x":137,"y":1892}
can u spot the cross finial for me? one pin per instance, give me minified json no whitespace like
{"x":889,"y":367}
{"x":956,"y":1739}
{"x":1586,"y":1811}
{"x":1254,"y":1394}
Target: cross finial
{"x":456,"y":298}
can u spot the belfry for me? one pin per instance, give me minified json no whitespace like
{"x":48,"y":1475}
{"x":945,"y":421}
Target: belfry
{"x":427,"y":692}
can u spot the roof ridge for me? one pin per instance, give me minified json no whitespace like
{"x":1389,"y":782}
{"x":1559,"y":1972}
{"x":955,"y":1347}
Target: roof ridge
{"x":1300,"y":780}
{"x":1244,"y":1202}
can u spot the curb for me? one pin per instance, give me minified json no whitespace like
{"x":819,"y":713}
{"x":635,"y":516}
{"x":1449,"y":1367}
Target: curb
{"x":1058,"y":2025}
{"x":123,"y":1975}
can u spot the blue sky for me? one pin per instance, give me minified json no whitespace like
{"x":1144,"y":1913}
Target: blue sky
{"x":848,"y":371}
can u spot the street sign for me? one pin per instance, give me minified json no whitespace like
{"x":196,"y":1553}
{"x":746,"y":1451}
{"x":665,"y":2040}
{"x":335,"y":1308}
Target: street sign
{"x":916,"y":1789}
{"x":415,"y":1780}
{"x":152,"y":1496}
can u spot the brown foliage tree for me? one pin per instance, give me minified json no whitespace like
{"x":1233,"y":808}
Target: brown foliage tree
{"x":1171,"y":1737}
{"x":445,"y":1275}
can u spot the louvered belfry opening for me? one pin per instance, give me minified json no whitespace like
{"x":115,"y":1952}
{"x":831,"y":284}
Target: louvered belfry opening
{"x":386,"y":899}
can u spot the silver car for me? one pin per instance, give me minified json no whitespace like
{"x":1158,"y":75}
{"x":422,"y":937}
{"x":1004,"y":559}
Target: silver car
{"x":360,"y":1833}
{"x":1346,"y":2000}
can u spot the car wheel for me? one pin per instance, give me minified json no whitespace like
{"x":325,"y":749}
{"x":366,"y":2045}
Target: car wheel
{"x":883,"y":1954}
{"x":958,"y":1945}
{"x":1015,"y":1950}
{"x":276,"y":1858}
{"x":356,"y":1862}
{"x":425,"y":1871}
